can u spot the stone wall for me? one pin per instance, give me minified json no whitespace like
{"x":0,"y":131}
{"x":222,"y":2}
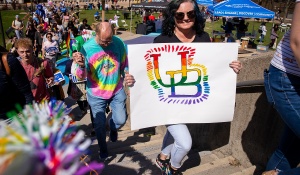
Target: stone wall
{"x":255,"y":130}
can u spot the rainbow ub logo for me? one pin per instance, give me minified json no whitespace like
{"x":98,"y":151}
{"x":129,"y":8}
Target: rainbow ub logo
{"x":177,"y":78}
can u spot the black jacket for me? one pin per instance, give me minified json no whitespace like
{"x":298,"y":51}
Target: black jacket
{"x":67,"y":73}
{"x":14,"y":88}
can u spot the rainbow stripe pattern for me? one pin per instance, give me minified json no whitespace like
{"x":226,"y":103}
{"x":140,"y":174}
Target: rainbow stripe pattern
{"x":186,"y":54}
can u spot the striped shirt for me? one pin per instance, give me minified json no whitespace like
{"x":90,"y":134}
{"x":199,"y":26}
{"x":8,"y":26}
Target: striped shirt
{"x":283,"y":58}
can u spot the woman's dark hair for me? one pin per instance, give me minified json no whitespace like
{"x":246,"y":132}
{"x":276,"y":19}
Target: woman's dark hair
{"x":168,"y":24}
{"x":70,"y":24}
{"x":74,"y":31}
{"x":49,"y":34}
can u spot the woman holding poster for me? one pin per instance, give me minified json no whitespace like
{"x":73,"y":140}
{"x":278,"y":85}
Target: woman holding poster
{"x":183,"y":23}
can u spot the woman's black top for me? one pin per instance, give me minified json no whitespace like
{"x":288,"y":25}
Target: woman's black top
{"x":14,"y":88}
{"x":203,"y":37}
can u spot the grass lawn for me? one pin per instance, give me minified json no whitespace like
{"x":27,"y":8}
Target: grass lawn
{"x":9,"y":15}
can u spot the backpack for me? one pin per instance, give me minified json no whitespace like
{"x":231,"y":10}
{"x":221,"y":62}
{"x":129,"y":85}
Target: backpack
{"x":260,"y":29}
{"x":9,"y":31}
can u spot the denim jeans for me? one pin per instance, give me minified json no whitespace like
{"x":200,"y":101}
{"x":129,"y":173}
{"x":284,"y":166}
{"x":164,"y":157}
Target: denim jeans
{"x":262,"y":37}
{"x":18,"y":34}
{"x":177,"y":143}
{"x":119,"y":115}
{"x":283,"y":91}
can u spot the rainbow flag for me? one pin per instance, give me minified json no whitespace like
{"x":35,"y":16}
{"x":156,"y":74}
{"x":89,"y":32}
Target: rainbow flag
{"x":68,"y":40}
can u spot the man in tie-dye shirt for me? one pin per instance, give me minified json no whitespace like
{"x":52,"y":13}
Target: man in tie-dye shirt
{"x":106,"y":65}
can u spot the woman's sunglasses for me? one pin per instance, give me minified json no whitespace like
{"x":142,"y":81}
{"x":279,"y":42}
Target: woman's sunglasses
{"x":180,"y":15}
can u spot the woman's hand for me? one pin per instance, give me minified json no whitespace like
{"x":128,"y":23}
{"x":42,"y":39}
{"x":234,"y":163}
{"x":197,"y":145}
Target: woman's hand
{"x":236,"y":66}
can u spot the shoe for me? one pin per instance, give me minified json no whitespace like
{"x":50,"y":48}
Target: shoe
{"x":113,"y":135}
{"x":170,"y":171}
{"x":161,"y":164}
{"x":83,"y":112}
{"x":103,"y":156}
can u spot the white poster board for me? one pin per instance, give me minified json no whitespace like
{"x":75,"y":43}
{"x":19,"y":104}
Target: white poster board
{"x":182,"y":83}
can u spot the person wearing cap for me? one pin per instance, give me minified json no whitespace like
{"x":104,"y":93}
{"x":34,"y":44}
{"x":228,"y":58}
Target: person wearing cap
{"x":17,"y":24}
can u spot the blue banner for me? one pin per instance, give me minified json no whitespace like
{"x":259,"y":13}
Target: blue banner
{"x":240,"y":8}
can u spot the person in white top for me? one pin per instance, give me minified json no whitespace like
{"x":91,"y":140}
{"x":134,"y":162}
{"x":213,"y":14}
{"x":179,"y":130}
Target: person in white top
{"x":50,"y":49}
{"x":263,"y":28}
{"x":17,"y":24}
{"x":282,"y":82}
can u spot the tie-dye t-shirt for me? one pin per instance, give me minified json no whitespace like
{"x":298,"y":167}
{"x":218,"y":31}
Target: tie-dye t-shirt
{"x":105,"y":67}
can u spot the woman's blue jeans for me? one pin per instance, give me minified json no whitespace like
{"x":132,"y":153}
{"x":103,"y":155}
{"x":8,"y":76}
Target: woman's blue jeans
{"x":177,"y":143}
{"x":262,"y":37}
{"x":283,"y":91}
{"x":119,"y":115}
{"x":18,"y":34}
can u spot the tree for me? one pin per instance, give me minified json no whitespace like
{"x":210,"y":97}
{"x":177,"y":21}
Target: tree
{"x":289,"y":3}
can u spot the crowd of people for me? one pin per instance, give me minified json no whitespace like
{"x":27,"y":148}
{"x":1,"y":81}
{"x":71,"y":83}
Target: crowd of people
{"x":46,"y":32}
{"x":98,"y":70}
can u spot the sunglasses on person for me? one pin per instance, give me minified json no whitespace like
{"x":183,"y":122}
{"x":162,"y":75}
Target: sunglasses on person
{"x":180,"y":15}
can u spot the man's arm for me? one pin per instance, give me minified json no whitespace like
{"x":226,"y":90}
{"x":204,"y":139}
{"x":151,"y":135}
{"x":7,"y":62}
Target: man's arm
{"x":86,"y":62}
{"x":295,"y":36}
{"x":13,"y":25}
{"x":124,"y":62}
{"x":48,"y":72}
{"x":35,"y":38}
{"x":43,"y":51}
